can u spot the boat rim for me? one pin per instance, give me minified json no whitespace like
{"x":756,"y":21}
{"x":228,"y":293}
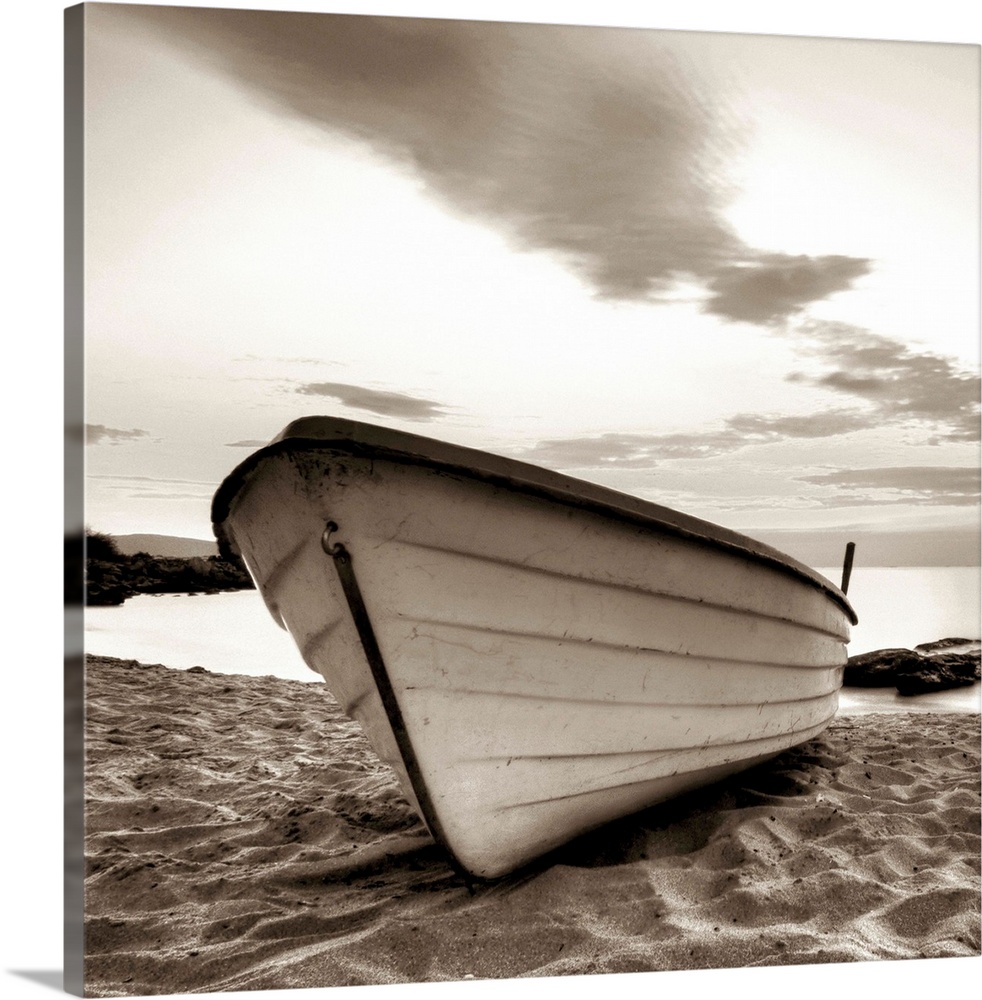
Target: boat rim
{"x":372,"y":441}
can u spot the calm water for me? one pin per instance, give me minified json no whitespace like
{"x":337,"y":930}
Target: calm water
{"x":230,"y":633}
{"x":911,"y":604}
{"x":233,"y":632}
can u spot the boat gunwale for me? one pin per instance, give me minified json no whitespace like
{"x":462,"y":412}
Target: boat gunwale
{"x":372,"y":442}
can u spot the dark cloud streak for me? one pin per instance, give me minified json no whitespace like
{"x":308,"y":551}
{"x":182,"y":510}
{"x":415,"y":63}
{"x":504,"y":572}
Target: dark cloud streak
{"x":918,"y":484}
{"x":756,"y":428}
{"x":100,"y":434}
{"x":386,"y":404}
{"x":641,"y":451}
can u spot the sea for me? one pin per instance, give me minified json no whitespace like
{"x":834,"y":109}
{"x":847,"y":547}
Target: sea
{"x":233,"y":633}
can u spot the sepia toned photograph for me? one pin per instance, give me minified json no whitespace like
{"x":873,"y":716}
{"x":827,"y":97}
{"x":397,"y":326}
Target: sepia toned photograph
{"x":526,"y":501}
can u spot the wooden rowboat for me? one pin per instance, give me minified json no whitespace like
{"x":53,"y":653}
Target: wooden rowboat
{"x":534,"y":655}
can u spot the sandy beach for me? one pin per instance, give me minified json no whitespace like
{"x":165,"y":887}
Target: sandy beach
{"x":242,"y":835}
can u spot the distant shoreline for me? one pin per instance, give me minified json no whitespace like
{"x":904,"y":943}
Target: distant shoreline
{"x":886,"y":549}
{"x":111,"y":575}
{"x":817,"y":548}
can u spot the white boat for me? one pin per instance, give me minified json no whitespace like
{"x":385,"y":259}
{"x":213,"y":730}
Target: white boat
{"x":534,"y":655}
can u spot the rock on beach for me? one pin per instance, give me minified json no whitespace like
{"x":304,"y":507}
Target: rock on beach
{"x":936,"y":666}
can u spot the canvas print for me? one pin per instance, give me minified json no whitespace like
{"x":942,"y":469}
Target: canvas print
{"x":530,"y":514}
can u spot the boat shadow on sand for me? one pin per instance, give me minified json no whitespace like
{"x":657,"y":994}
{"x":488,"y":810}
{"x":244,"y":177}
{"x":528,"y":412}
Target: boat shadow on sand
{"x":689,"y":823}
{"x":664,"y":834}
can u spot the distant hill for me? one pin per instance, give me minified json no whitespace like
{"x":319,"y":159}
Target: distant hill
{"x":165,"y":545}
{"x":877,"y":548}
{"x":814,"y":548}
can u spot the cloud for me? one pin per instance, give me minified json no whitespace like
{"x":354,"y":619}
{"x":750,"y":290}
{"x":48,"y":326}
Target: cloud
{"x":775,"y":287}
{"x":149,"y":479}
{"x":99,"y":434}
{"x":917,"y":484}
{"x":756,"y":428}
{"x":593,"y":144}
{"x":628,"y":451}
{"x":896,"y":387}
{"x":266,"y":360}
{"x":155,"y":495}
{"x":386,"y":404}
{"x":900,"y":385}
{"x":641,"y":451}
{"x":246,"y":444}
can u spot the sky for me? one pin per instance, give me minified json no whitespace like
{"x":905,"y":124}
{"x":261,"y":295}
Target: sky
{"x":734,"y":274}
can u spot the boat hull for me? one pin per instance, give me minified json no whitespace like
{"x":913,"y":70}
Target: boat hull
{"x":543,"y":668}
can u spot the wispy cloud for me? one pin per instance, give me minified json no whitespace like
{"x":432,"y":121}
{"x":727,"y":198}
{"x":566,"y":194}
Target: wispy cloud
{"x":594,"y":144}
{"x":246,"y":444}
{"x":100,"y":434}
{"x":266,"y":360}
{"x":152,"y":487}
{"x":163,"y":495}
{"x":911,"y":484}
{"x":896,"y":386}
{"x":627,"y":451}
{"x":640,"y":451}
{"x":901,"y":385}
{"x":382,"y":402}
{"x":758,"y":428}
{"x":115,"y":479}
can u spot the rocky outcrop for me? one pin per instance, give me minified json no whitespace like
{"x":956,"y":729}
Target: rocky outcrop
{"x":935,"y":666}
{"x":941,"y":672}
{"x":880,"y":668}
{"x":111,"y":581}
